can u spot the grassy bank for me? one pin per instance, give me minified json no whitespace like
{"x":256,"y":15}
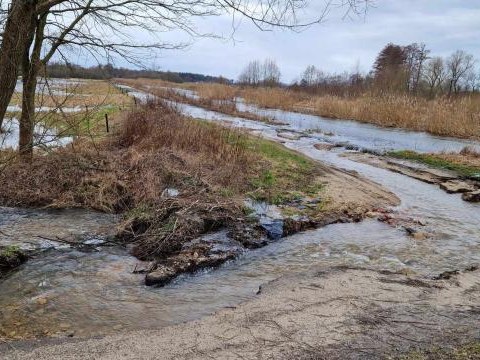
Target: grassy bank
{"x":465,"y":164}
{"x":455,"y":116}
{"x":154,"y":148}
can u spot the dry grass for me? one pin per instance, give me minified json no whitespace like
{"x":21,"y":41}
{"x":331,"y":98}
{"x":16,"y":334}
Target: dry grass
{"x":274,"y":98}
{"x":445,"y":116}
{"x":155,"y":148}
{"x":214,"y":91}
{"x":216,"y":97}
{"x":458,"y":117}
{"x":85,"y":94}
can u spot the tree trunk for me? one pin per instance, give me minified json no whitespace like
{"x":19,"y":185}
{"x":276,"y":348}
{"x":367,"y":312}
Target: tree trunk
{"x":30,"y":67}
{"x":27,"y":119}
{"x":15,"y":36}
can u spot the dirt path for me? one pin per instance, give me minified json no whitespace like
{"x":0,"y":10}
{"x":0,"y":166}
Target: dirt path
{"x":333,"y":313}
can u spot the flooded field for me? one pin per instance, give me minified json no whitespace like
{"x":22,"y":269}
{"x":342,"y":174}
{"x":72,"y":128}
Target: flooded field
{"x":65,"y":108}
{"x":93,"y":290}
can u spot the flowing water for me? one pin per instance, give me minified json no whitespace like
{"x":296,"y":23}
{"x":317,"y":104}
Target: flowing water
{"x":80,"y":292}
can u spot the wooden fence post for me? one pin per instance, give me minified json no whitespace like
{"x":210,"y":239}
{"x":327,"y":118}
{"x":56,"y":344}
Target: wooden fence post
{"x":106,"y":123}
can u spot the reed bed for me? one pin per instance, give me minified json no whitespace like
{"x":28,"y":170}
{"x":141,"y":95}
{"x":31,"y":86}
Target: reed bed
{"x":447,"y":116}
{"x":457,"y":116}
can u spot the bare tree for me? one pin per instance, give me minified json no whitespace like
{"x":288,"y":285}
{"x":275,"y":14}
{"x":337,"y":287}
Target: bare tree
{"x":459,"y":66}
{"x":472,"y":81}
{"x":33,"y":31}
{"x":434,"y":75}
{"x":310,"y":76}
{"x":271,"y":73}
{"x":251,"y":74}
{"x":416,"y":55}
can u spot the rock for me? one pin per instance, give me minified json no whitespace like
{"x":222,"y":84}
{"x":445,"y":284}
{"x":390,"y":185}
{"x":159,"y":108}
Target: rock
{"x":417,"y":235}
{"x":420,"y":235}
{"x":456,"y":186}
{"x":160,"y":277}
{"x":187,"y":261}
{"x":289,"y":135}
{"x":170,"y":193}
{"x":273,"y":227}
{"x":250,"y":237}
{"x":11,"y":257}
{"x":42,"y":301}
{"x":295,"y":225}
{"x":446,"y":275}
{"x":324,"y":146}
{"x":371,"y":214}
{"x":473,"y":196}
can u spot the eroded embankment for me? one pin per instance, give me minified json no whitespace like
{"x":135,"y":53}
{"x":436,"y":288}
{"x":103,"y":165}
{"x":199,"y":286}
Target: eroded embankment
{"x":177,"y":179}
{"x":339,"y":313}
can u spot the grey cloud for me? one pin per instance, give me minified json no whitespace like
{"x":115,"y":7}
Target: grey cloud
{"x":334,"y":46}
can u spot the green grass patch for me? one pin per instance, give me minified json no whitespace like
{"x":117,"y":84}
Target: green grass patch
{"x":437,"y":162}
{"x":82,"y":123}
{"x":466,"y":352}
{"x":285,"y":175}
{"x":10,"y":252}
{"x":11,"y":257}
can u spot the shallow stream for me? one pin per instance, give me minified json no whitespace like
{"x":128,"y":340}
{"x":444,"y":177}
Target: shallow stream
{"x":70,"y":292}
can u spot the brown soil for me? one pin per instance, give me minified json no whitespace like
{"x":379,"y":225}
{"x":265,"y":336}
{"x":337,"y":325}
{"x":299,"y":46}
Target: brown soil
{"x":335,"y":313}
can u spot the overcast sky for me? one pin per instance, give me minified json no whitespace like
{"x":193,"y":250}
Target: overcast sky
{"x":333,"y":46}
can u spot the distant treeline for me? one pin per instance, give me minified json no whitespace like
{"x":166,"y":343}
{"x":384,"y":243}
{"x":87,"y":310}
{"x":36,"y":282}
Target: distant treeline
{"x":62,"y":70}
{"x":409,"y":69}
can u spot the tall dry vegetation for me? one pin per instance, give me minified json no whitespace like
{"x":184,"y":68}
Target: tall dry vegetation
{"x":216,"y":91}
{"x":155,"y":148}
{"x":457,"y":116}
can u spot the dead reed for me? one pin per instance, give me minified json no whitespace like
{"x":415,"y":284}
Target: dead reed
{"x":446,"y":116}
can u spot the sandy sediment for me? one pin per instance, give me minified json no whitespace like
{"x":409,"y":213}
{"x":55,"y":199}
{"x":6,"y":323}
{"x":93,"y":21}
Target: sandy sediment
{"x":340,"y":313}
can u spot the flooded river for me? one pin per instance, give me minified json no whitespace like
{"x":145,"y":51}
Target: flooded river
{"x":92,"y":291}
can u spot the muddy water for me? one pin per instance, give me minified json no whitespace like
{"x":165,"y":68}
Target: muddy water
{"x":68,"y":292}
